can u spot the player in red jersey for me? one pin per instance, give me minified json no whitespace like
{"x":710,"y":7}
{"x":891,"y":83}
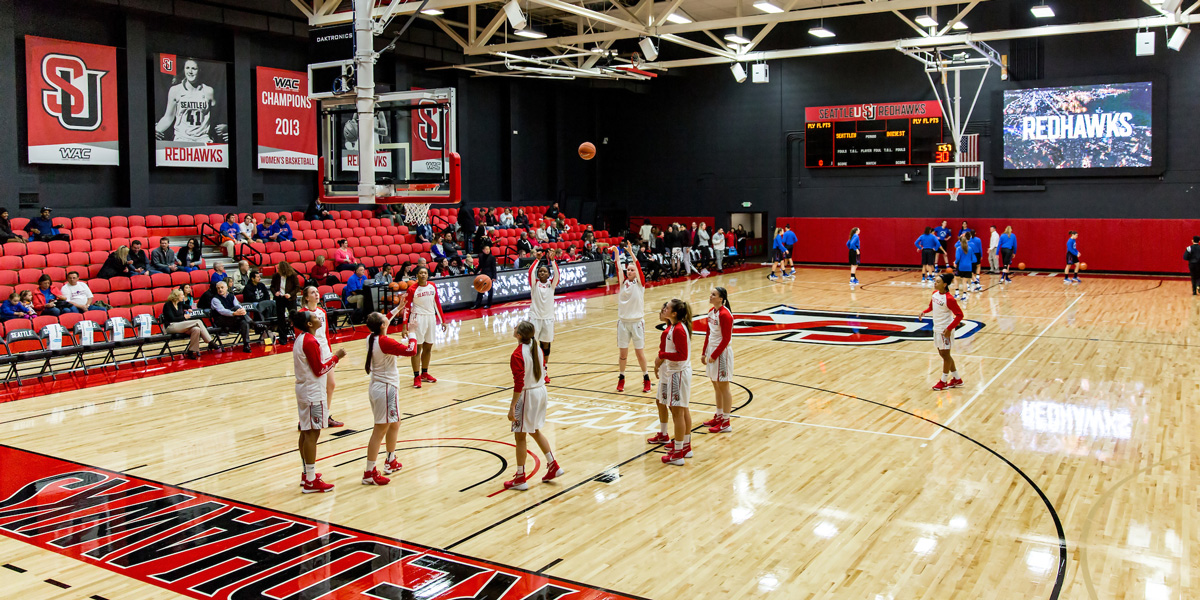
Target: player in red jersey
{"x":946,"y":316}
{"x":527,"y":413}
{"x":674,"y":369}
{"x":311,"y":366}
{"x":718,"y":357}
{"x":631,"y":315}
{"x":384,"y":393}
{"x":422,"y":317}
{"x":311,"y":302}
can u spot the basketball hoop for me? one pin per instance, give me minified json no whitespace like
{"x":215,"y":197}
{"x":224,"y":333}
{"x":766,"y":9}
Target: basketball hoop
{"x":953,"y":193}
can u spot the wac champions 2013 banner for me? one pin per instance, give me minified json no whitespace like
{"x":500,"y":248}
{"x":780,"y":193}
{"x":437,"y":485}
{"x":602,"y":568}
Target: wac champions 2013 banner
{"x":191,"y":127}
{"x":72,"y":102}
{"x":287,"y":121}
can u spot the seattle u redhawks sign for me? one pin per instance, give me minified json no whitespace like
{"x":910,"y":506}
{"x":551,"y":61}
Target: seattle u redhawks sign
{"x":211,"y":548}
{"x":788,"y":324}
{"x":71,"y":91}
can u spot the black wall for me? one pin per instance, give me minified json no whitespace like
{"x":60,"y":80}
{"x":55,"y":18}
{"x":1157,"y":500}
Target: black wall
{"x":698,"y":143}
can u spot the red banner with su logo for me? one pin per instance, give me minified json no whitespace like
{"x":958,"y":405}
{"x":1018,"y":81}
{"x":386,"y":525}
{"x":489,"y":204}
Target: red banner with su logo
{"x":428,"y":137}
{"x":287,"y":121}
{"x":71,"y":89}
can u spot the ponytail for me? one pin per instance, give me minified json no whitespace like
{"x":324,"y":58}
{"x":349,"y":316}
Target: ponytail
{"x":375,"y":324}
{"x":526,"y":331}
{"x":724,"y":297}
{"x":682,"y":313}
{"x":853,"y":231}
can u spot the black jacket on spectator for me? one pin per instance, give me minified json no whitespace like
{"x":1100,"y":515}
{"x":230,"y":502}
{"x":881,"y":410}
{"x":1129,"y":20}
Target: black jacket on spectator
{"x":487,"y":265}
{"x":189,"y":261}
{"x":173,"y":314}
{"x":139,"y":259}
{"x":256,"y":292}
{"x":466,"y":220}
{"x":6,"y":232}
{"x":113,"y":267}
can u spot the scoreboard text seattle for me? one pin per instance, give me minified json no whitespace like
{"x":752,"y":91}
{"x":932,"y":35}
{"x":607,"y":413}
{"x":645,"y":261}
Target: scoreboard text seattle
{"x":873,"y":135}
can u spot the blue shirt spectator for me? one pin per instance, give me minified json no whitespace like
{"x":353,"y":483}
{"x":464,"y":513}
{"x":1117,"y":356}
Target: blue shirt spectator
{"x":263,"y":231}
{"x":230,"y":230}
{"x":281,"y":231}
{"x":354,"y":284}
{"x":218,"y":274}
{"x":13,"y":309}
{"x":42,"y":229}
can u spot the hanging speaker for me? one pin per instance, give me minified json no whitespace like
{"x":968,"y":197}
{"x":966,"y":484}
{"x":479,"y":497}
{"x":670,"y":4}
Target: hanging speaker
{"x":516,"y":18}
{"x":1145,"y":43}
{"x":759,"y":73}
{"x":648,"y":49}
{"x":739,"y":72}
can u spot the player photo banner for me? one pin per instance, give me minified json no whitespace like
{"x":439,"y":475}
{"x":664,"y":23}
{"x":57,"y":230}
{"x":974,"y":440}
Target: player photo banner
{"x":287,"y":121}
{"x":72,"y":102}
{"x":190,"y":119}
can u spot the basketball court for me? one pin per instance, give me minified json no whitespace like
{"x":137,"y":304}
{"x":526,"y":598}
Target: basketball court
{"x":844,"y":476}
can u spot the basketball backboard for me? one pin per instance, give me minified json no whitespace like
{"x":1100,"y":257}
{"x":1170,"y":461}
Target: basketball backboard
{"x":956,"y":179}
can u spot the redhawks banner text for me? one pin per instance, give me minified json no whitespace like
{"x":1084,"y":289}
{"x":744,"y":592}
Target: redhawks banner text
{"x":287,"y":121}
{"x":72,"y":102}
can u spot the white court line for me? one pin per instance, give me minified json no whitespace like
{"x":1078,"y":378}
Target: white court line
{"x":499,"y":387}
{"x":644,"y":405}
{"x":968,"y":403}
{"x":876,"y":348}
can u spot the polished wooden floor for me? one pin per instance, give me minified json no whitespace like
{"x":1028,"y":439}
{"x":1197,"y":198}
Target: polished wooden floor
{"x":845,"y":476}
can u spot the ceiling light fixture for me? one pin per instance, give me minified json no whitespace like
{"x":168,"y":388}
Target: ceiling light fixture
{"x":959,"y":26}
{"x":735,"y":38}
{"x":821,"y":32}
{"x":532,"y":34}
{"x":767,"y":7}
{"x":433,"y":12}
{"x":1042,"y":11}
{"x":679,"y":17}
{"x":926,"y":21}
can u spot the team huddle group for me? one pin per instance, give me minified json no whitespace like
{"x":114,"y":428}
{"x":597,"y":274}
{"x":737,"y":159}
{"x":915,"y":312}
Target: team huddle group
{"x":420,"y":318}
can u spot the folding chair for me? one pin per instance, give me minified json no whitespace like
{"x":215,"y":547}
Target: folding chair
{"x":335,"y":309}
{"x":58,"y":344}
{"x":123,"y":335}
{"x":23,"y":346}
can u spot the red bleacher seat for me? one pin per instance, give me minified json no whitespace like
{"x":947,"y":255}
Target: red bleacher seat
{"x":99,"y":286}
{"x":14,"y":249}
{"x":160,"y":294}
{"x":56,"y":273}
{"x":82,"y":235}
{"x":182,"y":221}
{"x":8,"y":279}
{"x":137,"y":221}
{"x":78,"y":245}
{"x":160,"y":280}
{"x":139,"y":282}
{"x":142,"y":296}
{"x":10,"y":263}
{"x":154,"y":221}
{"x":119,"y":284}
{"x":119,"y":231}
{"x":35,"y":261}
{"x":179,"y":278}
{"x":37,"y":248}
{"x":119,"y":299}
{"x":59,"y":247}
{"x":198,"y":276}
{"x":76,"y":223}
{"x":28,"y":275}
{"x":104,"y":245}
{"x":118,"y":221}
{"x":101,"y":233}
{"x":139,"y":231}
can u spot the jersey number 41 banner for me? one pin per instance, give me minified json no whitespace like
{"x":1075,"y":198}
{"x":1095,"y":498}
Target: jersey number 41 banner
{"x":287,"y":121}
{"x":190,"y":128}
{"x":72,"y":102}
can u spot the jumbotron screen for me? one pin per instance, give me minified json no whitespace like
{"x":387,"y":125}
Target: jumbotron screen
{"x":1085,"y":129}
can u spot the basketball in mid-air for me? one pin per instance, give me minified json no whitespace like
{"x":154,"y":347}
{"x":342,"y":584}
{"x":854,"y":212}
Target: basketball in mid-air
{"x":483,"y":283}
{"x":1082,"y":266}
{"x":1020,"y":266}
{"x":587,"y":150}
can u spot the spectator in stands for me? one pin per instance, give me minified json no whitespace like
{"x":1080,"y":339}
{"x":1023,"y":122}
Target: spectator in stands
{"x":479,"y":237}
{"x":646,"y":231}
{"x":281,"y":231}
{"x":218,"y":275}
{"x":240,"y":277}
{"x":651,"y":266}
{"x":139,"y":264}
{"x":487,"y":266}
{"x":76,"y":292}
{"x":204,"y":302}
{"x":42,"y":229}
{"x":162,"y":260}
{"x":466,"y":220}
{"x":553,"y":211}
{"x":262,"y":233}
{"x":524,"y":246}
{"x":540,"y":235}
{"x":247,"y":230}
{"x":229,"y":234}
{"x":506,"y":219}
{"x":561,"y":225}
{"x":521,"y":220}
{"x":343,"y":257}
{"x":438,"y":247}
{"x":116,"y":265}
{"x":730,"y":241}
{"x":189,"y":256}
{"x":317,"y":211}
{"x":386,"y":274}
{"x":189,"y":301}
{"x":553,"y":233}
{"x":704,"y":243}
{"x":49,"y":302}
{"x":27,"y":302}
{"x":423,"y":232}
{"x":174,"y":318}
{"x":256,"y":292}
{"x":455,"y":266}
{"x":355,"y":294}
{"x":229,"y":313}
{"x":13,"y":309}
{"x":589,"y":236}
{"x":403,"y":273}
{"x":392,"y":212}
{"x":319,"y":275}
{"x":450,"y":246}
{"x":740,"y":236}
{"x":6,"y":232}
{"x":491,"y":218}
{"x":718,"y":247}
{"x":286,"y":287}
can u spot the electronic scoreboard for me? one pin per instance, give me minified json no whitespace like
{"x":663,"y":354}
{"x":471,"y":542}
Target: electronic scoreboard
{"x":875,"y":135}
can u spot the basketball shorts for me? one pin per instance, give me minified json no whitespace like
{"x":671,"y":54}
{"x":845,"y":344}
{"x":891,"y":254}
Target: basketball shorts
{"x":778,"y":255}
{"x":1072,"y":258}
{"x":675,"y":387}
{"x":946,"y":246}
{"x":964,"y":274}
{"x":631,"y":331}
{"x":927,"y":256}
{"x":543,"y":330}
{"x":854,"y":257}
{"x":940,"y":341}
{"x":310,"y":407}
{"x":978,"y":259}
{"x":423,"y":328}
{"x":530,"y":410}
{"x":385,"y":402}
{"x":722,"y":368}
{"x":1006,"y":257}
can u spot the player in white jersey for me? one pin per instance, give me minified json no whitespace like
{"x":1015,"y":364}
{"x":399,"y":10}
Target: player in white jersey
{"x":674,"y":370}
{"x":946,"y":316}
{"x":311,"y":365}
{"x":527,"y":412}
{"x":189,"y":109}
{"x":631,"y":315}
{"x":311,"y":302}
{"x":718,"y":357}
{"x":543,"y":278}
{"x":422,"y":317}
{"x":384,"y":393}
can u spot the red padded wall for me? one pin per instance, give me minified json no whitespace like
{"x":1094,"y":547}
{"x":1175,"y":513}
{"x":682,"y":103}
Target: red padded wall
{"x":1128,"y":245}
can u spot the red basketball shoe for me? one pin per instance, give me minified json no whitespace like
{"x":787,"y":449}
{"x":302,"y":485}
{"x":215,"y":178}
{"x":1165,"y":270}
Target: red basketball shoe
{"x":552,"y":471}
{"x":955,"y":383}
{"x":621,"y":383}
{"x":940,"y":385}
{"x":659,"y":438}
{"x":373,"y":477}
{"x":417,"y":382}
{"x":392,"y":466}
{"x":428,"y":377}
{"x":316,"y":486}
{"x":520,"y":482}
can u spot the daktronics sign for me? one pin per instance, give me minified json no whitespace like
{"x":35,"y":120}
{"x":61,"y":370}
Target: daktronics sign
{"x":212,"y":548}
{"x":71,"y":91}
{"x":870,"y":112}
{"x":287,"y":121}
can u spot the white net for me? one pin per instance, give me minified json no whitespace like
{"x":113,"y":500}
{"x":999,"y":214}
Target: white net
{"x":416,"y":213}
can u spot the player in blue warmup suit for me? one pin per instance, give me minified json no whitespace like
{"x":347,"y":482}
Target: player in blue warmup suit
{"x":1072,"y":258}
